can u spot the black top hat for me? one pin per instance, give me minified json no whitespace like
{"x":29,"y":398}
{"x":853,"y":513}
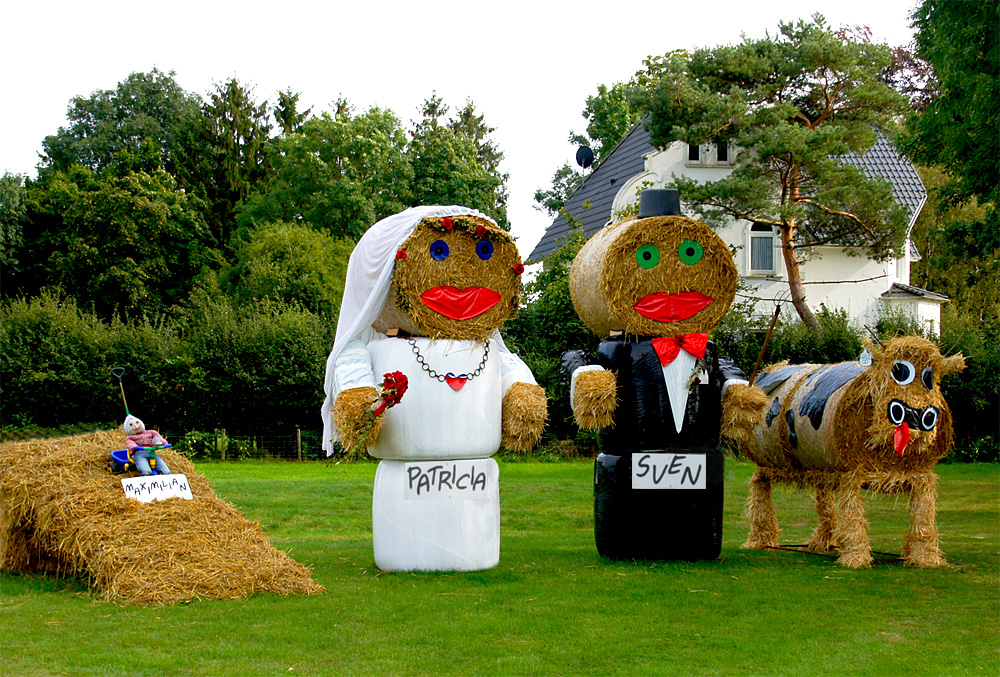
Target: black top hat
{"x":659,"y":202}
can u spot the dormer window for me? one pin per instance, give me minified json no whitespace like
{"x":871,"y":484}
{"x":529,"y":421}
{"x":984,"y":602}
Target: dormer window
{"x":709,"y":154}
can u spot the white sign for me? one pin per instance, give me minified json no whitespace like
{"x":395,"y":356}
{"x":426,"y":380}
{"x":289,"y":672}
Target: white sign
{"x":157,"y":487}
{"x":447,"y":480}
{"x":668,"y":471}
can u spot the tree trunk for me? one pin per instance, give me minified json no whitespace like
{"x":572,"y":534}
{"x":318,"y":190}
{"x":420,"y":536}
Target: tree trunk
{"x":795,"y":279}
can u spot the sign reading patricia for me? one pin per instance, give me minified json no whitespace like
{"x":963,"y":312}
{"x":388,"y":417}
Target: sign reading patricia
{"x":157,"y":487}
{"x":448,"y":480}
{"x":668,"y":471}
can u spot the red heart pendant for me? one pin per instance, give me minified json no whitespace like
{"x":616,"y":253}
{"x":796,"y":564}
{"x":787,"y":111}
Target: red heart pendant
{"x":456,"y":382}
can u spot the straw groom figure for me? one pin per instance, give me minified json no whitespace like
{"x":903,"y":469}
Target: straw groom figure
{"x":425,"y":294}
{"x":654,"y":286}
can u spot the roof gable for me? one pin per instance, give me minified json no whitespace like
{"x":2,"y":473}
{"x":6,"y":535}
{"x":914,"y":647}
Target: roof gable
{"x":599,"y":189}
{"x":626,"y":161}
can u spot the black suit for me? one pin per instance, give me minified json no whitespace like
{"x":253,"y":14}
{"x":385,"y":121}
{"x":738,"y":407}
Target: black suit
{"x":657,"y":523}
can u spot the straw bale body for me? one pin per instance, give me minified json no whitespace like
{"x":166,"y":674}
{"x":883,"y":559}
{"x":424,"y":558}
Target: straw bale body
{"x":842,"y":428}
{"x":62,"y":512}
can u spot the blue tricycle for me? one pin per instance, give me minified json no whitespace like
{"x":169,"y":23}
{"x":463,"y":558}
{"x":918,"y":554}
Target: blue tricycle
{"x":121,"y":461}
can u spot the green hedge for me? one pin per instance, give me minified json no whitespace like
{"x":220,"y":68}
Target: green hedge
{"x":258,"y":369}
{"x":251,"y":369}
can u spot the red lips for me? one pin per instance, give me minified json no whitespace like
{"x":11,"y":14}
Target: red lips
{"x":664,"y":307}
{"x":460,"y":304}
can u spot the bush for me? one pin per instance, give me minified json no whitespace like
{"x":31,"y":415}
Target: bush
{"x":545,"y":327}
{"x":740,"y":335}
{"x":973,"y":394}
{"x":51,"y":363}
{"x":291,"y":263}
{"x":56,"y":364}
{"x":260,"y":367}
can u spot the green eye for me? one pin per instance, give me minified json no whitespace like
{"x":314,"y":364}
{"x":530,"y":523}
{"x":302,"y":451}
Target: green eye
{"x":690,"y":252}
{"x":647,"y":255}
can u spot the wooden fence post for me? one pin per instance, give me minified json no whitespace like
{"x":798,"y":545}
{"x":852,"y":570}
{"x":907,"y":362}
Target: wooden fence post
{"x":298,"y":441}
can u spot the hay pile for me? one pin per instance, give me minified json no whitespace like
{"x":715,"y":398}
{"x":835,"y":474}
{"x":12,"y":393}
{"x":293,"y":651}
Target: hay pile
{"x":62,"y":512}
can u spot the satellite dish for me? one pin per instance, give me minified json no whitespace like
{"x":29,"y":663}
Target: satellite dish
{"x":584,"y":156}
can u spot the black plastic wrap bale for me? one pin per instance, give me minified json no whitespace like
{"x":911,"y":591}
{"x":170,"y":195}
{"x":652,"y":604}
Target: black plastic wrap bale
{"x":660,"y":524}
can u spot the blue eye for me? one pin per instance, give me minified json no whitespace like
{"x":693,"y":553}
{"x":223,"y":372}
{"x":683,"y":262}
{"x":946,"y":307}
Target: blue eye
{"x":439,"y":250}
{"x":484,"y":249}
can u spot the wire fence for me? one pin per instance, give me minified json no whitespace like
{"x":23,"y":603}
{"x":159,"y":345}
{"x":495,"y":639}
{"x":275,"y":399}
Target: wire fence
{"x":218,"y":445}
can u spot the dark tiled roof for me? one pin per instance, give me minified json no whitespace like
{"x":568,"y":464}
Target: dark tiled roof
{"x":898,"y":290}
{"x":599,"y":189}
{"x":883,"y":161}
{"x":625,"y":161}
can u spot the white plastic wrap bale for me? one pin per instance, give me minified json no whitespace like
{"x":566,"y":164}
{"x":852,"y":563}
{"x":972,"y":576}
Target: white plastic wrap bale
{"x":434,"y":421}
{"x":436,"y":515}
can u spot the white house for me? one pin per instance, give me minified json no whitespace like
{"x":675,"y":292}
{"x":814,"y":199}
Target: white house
{"x":863,"y":287}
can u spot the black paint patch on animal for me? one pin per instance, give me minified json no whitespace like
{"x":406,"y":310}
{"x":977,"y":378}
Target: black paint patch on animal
{"x":821,"y":385}
{"x":793,"y":439}
{"x":770,"y":380}
{"x":773,"y":412}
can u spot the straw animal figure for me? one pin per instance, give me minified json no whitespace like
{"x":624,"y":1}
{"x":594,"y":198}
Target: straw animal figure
{"x":843,"y":428}
{"x":426,"y":291}
{"x":655,"y":286}
{"x":62,"y":512}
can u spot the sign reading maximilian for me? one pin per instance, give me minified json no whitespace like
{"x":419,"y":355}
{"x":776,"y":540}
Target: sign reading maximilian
{"x":463,"y":479}
{"x":157,"y":487}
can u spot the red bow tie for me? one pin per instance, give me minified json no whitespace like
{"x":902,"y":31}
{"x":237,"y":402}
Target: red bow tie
{"x":667,"y":348}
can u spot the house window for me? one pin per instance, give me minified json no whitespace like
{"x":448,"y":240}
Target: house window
{"x":710,"y":154}
{"x":722,"y":152}
{"x":761,"y":250}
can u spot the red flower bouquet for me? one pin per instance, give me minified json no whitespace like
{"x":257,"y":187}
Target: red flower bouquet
{"x":393,"y":387}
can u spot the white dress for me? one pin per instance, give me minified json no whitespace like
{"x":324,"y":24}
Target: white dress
{"x":433,"y":421}
{"x":440,"y":432}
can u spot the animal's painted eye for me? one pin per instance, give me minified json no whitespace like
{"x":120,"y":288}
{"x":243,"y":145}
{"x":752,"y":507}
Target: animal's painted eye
{"x":647,"y":255}
{"x":690,"y":252}
{"x":927,"y":376}
{"x":484,"y":249}
{"x":439,"y":250}
{"x":903,"y":372}
{"x":929,"y":418}
{"x":897,"y":412}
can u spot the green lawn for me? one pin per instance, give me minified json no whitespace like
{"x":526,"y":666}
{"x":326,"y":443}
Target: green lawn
{"x":552,"y":606}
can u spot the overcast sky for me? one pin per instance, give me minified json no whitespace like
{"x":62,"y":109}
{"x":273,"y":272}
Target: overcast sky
{"x":528,"y":66}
